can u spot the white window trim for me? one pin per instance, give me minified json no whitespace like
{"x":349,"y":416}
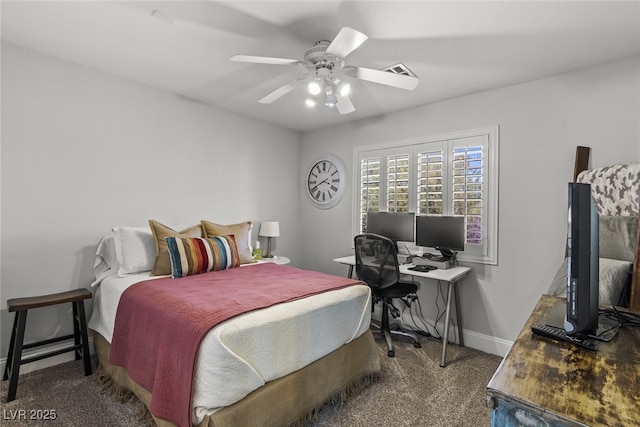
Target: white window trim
{"x":491,"y":256}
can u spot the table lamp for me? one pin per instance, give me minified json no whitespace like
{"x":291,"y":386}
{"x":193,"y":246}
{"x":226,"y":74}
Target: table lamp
{"x":270,"y":229}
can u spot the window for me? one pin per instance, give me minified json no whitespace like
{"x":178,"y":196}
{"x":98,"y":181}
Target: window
{"x":451,"y":175}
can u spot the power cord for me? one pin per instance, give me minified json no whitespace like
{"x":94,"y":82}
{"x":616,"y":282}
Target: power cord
{"x":440,"y":313}
{"x":436,"y":333}
{"x":425,"y":332}
{"x":415,"y":310}
{"x":440,"y":295}
{"x":624,"y":318}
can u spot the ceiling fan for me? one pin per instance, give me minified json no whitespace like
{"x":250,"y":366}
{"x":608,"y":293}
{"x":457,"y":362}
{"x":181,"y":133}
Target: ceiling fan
{"x":325,"y":63}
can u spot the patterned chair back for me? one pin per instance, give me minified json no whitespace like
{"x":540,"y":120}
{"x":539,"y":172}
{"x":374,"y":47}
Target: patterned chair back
{"x":615,"y":189}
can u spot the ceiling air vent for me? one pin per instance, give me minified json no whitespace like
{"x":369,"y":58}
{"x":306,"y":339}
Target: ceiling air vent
{"x":399,"y":68}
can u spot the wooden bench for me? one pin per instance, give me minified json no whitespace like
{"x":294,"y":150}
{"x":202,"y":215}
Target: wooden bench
{"x":80,"y":336}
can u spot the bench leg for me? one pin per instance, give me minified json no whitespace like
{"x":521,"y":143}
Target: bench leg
{"x":7,"y":366}
{"x":80,"y":333}
{"x":77,"y":337}
{"x":12,"y":369}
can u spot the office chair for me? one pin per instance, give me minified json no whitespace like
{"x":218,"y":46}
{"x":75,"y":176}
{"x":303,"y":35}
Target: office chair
{"x":377,"y":265}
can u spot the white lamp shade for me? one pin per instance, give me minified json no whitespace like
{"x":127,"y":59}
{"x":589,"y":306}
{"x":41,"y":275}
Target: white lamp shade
{"x":270,"y":229}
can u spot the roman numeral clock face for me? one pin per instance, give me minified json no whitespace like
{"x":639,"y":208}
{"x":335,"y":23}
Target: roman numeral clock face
{"x":326,"y":181}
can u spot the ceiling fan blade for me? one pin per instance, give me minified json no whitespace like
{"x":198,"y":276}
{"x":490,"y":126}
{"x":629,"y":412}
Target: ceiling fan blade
{"x":344,"y":104}
{"x":265,"y":60}
{"x":284,"y":89}
{"x":278,"y":93}
{"x":346,"y":42}
{"x":387,"y":78}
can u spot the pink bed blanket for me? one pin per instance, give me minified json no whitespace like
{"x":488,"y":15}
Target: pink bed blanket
{"x":160,"y":323}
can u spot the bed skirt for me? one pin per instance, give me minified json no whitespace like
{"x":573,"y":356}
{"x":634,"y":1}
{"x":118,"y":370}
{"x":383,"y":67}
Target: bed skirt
{"x":290,"y":400}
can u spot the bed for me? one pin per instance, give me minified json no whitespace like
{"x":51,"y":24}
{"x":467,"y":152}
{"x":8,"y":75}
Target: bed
{"x":616,"y":192}
{"x":273,"y":365}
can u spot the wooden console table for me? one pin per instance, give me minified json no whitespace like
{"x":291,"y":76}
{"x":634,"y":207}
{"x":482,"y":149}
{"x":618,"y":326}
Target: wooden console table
{"x":553,"y":383}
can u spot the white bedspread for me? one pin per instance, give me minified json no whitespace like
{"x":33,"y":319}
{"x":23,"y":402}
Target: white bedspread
{"x":243,"y":353}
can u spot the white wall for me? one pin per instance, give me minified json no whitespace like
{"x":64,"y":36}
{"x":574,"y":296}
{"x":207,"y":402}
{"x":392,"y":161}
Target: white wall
{"x":83,"y":151}
{"x":541,"y":123}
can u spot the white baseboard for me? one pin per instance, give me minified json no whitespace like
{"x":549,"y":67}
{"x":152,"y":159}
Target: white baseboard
{"x":486,"y":343}
{"x":49,"y":361}
{"x":472,"y":339}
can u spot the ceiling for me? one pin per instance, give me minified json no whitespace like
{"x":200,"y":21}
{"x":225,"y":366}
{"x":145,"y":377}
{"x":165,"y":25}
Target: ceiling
{"x":454,"y":47}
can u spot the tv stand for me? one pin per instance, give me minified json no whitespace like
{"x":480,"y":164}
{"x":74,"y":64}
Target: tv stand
{"x":540,"y":380}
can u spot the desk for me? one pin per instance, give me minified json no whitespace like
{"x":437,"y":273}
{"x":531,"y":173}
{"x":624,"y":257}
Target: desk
{"x":558,"y":384}
{"x":451,"y":276}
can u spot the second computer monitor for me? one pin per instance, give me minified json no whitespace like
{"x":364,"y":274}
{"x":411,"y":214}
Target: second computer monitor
{"x":397,"y":226}
{"x":444,"y":233}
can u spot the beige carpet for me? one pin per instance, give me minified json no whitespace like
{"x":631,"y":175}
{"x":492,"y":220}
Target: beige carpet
{"x":414,"y":391}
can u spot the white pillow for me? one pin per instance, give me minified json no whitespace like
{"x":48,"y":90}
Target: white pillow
{"x":106,"y":254}
{"x":105,"y":262}
{"x":135,"y":249}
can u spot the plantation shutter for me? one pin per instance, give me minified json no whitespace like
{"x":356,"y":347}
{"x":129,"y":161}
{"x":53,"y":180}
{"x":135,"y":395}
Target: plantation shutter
{"x":469,"y":189}
{"x":398,"y":176}
{"x":370,"y":164}
{"x":431,"y":177}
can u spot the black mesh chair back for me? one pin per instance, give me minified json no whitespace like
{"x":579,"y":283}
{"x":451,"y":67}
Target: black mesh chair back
{"x":377,"y":265}
{"x":376,"y":260}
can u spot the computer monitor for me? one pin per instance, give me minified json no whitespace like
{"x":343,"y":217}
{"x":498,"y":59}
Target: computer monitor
{"x":397,"y":226}
{"x":582,"y":262}
{"x":444,"y":233}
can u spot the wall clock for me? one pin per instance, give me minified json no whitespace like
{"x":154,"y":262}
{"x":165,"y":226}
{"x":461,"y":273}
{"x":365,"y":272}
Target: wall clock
{"x":326,"y":181}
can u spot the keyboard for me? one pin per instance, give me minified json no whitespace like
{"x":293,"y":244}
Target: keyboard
{"x":561,"y":335}
{"x":422,"y":268}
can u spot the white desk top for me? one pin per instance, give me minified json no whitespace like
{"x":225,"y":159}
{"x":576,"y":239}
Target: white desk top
{"x":449,"y":275}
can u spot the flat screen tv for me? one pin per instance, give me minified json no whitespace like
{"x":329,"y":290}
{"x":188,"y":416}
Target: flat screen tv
{"x":444,"y":233}
{"x":582,"y":262}
{"x":397,"y":226}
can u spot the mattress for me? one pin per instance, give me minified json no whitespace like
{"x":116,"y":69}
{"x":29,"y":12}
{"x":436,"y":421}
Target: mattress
{"x":241,"y":354}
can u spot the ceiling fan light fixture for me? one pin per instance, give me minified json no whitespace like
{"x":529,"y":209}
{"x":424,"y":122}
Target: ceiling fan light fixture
{"x":315,"y":87}
{"x":325,"y":63}
{"x":345,"y":89}
{"x":331,"y":100}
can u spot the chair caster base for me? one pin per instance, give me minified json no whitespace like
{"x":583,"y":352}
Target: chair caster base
{"x":391,"y":353}
{"x":416,"y":344}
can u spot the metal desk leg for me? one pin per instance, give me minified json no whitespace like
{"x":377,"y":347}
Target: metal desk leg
{"x":447,"y":319}
{"x":350,"y":274}
{"x":459,"y":322}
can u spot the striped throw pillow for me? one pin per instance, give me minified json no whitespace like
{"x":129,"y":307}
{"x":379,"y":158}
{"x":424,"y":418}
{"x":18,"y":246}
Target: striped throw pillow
{"x":194,"y":255}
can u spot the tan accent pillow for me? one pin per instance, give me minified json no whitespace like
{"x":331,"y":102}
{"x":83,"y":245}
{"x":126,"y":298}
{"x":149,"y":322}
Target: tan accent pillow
{"x":162,"y":265}
{"x":240,"y":231}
